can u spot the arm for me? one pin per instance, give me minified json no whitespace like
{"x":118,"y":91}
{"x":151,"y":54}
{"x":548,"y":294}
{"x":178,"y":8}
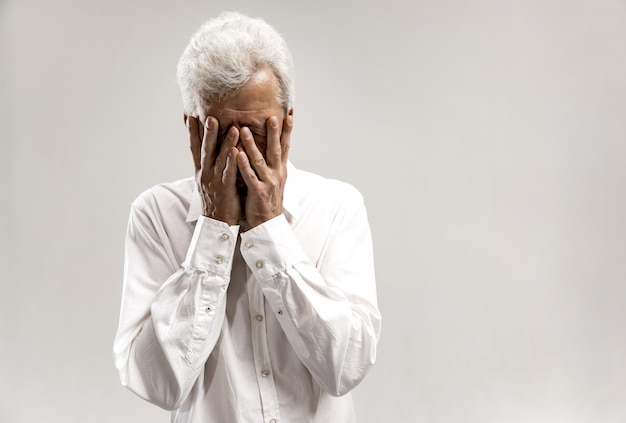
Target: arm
{"x":328,"y":310}
{"x":170,"y":317}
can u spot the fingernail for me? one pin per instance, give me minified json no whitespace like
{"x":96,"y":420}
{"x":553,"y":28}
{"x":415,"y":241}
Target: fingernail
{"x":207,"y":122}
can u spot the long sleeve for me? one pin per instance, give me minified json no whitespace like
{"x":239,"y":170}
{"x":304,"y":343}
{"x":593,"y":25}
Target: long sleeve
{"x":171,"y":314}
{"x":328,"y":308}
{"x":274,"y":323}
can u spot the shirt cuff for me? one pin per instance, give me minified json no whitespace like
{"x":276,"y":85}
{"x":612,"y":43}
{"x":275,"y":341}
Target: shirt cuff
{"x":270,"y":248}
{"x":212,"y":246}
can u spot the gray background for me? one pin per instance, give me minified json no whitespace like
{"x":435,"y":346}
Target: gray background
{"x":488,"y":138}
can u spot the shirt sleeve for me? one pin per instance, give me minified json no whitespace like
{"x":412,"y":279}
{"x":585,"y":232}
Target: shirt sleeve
{"x":171,"y":315}
{"x":328,"y":309}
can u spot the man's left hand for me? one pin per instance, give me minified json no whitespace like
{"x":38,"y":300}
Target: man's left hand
{"x":265,"y":177}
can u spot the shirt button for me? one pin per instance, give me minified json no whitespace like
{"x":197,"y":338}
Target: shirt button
{"x":265,"y":372}
{"x":259,"y":264}
{"x":224,"y":237}
{"x":259,"y":318}
{"x":280,"y":311}
{"x":248,"y":244}
{"x":219,"y":260}
{"x":273,"y":421}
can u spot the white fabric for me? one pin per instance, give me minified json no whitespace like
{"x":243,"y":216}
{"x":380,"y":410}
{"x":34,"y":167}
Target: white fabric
{"x":273,"y":324}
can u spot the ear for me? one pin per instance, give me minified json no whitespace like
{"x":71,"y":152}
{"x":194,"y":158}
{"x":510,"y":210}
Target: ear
{"x":290,"y":113}
{"x":185,"y":119}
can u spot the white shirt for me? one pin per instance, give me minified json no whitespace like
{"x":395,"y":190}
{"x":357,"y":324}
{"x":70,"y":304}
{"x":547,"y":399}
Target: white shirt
{"x":273,"y":324}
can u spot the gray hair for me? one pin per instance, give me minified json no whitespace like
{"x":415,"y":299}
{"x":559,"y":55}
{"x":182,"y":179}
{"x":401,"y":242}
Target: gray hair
{"x":225,"y":53}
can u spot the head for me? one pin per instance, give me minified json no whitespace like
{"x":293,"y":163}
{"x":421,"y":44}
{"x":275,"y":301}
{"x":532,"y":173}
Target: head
{"x":238,"y":70}
{"x":224,"y":54}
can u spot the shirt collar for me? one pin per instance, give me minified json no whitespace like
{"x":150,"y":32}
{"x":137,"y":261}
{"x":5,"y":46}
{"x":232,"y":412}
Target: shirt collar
{"x":290,"y":198}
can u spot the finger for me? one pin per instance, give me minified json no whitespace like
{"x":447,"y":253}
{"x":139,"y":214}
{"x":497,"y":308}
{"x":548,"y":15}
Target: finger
{"x":229,"y":175}
{"x":274,"y":151}
{"x":194,"y":140}
{"x":247,"y":173}
{"x":255,"y":158}
{"x":209,"y":142}
{"x":285,"y":138}
{"x":229,"y":142}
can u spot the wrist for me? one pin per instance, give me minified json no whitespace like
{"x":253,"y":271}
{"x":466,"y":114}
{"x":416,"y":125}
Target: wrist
{"x":255,"y":221}
{"x":229,"y":220}
{"x":230,"y":217}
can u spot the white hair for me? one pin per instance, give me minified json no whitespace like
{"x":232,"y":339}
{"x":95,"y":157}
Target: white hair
{"x":225,"y":53}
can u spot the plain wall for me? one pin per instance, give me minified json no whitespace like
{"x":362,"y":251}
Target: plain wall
{"x":488,"y":138}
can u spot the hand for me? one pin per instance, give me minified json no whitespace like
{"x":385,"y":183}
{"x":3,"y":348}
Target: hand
{"x":216,"y":172}
{"x":265,"y":178}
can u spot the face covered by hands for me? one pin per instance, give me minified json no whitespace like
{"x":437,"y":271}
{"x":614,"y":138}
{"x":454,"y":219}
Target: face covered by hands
{"x":240,"y":153}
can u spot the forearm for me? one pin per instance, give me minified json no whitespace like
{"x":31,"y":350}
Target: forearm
{"x":168,"y":354}
{"x":328,"y":312}
{"x":165,"y":337}
{"x":334,"y":336}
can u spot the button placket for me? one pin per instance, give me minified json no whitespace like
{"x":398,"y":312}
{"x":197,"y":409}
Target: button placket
{"x":262,"y":361}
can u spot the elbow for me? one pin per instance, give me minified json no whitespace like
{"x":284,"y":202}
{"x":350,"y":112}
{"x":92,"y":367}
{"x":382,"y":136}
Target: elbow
{"x":152,"y":380}
{"x":153,"y":386}
{"x":343,"y":387}
{"x":356,"y":364}
{"x":340,"y":391}
{"x":166,"y":397}
{"x":169,"y":405}
{"x":351,"y":376}
{"x":347,"y":384}
{"x":171,"y":400}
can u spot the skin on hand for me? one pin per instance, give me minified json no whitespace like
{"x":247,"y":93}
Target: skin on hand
{"x":215,"y":171}
{"x":241,"y":163}
{"x":265,"y":176}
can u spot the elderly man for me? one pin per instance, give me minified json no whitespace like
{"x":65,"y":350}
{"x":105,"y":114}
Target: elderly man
{"x":249,"y":292}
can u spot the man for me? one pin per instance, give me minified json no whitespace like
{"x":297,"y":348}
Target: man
{"x":249,"y":295}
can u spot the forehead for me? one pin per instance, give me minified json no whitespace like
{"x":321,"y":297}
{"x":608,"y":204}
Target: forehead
{"x":254,"y":102}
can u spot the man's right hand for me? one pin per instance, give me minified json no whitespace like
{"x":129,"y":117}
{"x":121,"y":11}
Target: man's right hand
{"x":216,"y":171}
